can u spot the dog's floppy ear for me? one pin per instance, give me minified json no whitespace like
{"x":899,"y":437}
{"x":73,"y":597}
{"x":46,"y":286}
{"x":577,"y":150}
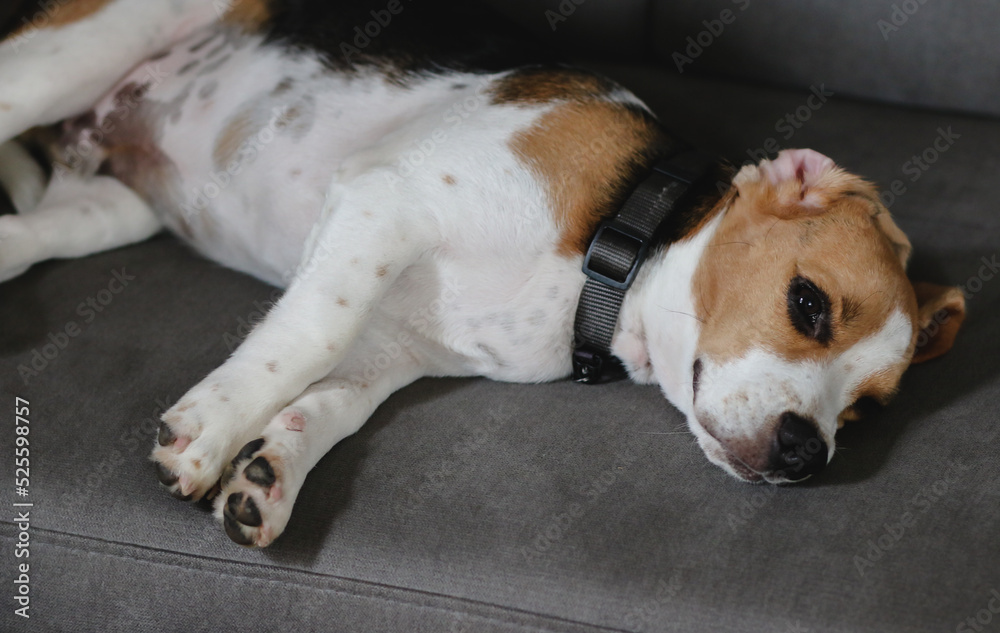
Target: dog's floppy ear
{"x":798,"y":182}
{"x":900,"y":243}
{"x":940,"y":313}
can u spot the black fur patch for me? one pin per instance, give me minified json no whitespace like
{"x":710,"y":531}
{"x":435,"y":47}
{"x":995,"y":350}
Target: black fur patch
{"x":17,"y":14}
{"x":424,"y":36}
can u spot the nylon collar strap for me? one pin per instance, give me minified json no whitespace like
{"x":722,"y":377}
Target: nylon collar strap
{"x":615,"y":255}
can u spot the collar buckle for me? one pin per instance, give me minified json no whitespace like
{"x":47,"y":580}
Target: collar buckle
{"x":615,"y":244}
{"x":591,"y":366}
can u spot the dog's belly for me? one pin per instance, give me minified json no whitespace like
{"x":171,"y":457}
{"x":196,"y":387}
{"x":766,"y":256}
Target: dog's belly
{"x":236,"y":144}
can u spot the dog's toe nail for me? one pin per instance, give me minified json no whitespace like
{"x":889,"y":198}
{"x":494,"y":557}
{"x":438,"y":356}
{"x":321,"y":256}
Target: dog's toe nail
{"x":242,"y":508}
{"x":228,"y":473}
{"x":166,"y":436}
{"x":166,"y":477}
{"x":180,"y":496}
{"x":259,"y":471}
{"x":213,"y":492}
{"x":247,"y":451}
{"x":235,"y":532}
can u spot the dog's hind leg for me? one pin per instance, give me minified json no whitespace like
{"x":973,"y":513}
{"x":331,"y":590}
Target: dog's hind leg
{"x":261,"y":486}
{"x":370,"y":237}
{"x":75,"y":217}
{"x":70,"y":53}
{"x":21,"y":176}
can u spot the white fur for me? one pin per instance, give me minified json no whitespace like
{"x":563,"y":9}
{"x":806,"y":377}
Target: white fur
{"x":659,"y":326}
{"x":74,"y":218}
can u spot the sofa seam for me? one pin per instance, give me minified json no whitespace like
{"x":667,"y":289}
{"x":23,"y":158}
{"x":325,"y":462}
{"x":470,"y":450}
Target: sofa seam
{"x":329,"y":577}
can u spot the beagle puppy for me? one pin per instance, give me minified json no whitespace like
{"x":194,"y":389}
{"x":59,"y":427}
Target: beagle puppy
{"x":429,"y":215}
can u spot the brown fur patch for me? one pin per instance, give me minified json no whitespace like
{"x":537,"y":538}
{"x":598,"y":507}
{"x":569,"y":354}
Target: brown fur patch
{"x":763,"y":242}
{"x":249,"y":14}
{"x":227,"y":145}
{"x":587,"y":150}
{"x":536,"y":86}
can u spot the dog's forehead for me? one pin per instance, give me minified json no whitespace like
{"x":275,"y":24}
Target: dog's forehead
{"x":743,"y":279}
{"x":848,"y":253}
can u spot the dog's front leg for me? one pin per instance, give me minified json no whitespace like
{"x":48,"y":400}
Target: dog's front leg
{"x":259,"y":491}
{"x":369,"y":238}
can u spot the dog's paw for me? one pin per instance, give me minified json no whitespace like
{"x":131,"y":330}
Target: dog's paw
{"x":198,"y":436}
{"x":260,"y":485}
{"x":252,"y":505}
{"x":169,"y":444}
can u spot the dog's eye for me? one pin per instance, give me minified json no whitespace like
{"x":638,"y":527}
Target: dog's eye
{"x":808,"y":309}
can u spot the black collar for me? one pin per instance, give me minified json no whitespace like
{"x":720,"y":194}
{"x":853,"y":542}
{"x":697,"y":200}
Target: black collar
{"x":616,"y":253}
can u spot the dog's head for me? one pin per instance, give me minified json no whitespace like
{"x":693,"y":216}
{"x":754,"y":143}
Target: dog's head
{"x":805,"y":309}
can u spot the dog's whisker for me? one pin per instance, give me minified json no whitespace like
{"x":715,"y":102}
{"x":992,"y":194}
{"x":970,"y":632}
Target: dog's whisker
{"x":870,"y":296}
{"x":771,"y":229}
{"x":730,"y":243}
{"x":693,"y":316}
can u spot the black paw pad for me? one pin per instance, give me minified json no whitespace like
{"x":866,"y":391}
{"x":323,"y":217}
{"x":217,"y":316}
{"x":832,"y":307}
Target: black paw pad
{"x":247,"y":451}
{"x":259,"y":471}
{"x":166,"y":436}
{"x":242,"y":508}
{"x":234,"y":532}
{"x":166,"y":477}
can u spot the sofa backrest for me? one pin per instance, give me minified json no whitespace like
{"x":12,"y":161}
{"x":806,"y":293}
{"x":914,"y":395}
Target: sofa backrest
{"x":938,"y":54}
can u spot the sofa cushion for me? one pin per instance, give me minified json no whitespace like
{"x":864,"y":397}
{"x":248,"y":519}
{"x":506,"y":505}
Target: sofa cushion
{"x":912,"y":52}
{"x":469,"y":505}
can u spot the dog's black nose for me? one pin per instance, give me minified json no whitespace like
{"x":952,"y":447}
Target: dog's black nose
{"x":798,"y":450}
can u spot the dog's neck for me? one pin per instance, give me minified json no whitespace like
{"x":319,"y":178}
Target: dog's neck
{"x":659,"y":324}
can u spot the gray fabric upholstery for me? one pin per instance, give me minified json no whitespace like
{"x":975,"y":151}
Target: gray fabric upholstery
{"x":929,"y":54}
{"x":473,"y":506}
{"x":467,"y":505}
{"x":611,"y":30}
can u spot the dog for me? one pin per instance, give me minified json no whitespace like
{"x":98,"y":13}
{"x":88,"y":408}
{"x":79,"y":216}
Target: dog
{"x":442,"y":210}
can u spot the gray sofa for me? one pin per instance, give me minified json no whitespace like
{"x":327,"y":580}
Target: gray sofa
{"x":473,"y":506}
